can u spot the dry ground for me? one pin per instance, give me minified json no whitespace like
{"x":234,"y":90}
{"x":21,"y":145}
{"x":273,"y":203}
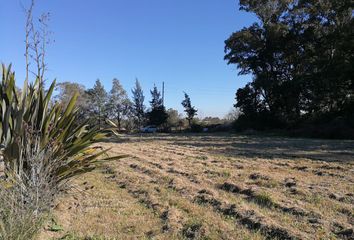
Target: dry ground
{"x":214,"y":187}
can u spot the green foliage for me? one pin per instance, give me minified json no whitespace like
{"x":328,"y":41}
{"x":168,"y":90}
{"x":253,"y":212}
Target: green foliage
{"x":98,"y":101}
{"x":157,"y":114}
{"x":173,"y":118}
{"x":156,"y":99}
{"x":67,"y":89}
{"x":189,"y":109}
{"x":119,"y":106}
{"x":264,"y":199}
{"x":42,"y":149}
{"x":138,"y":104}
{"x":55,"y":227}
{"x":196,"y":128}
{"x":301,"y":55}
{"x":65,"y":92}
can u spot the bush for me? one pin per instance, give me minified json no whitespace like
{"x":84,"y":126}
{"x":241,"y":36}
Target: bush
{"x":43,"y":149}
{"x":326,"y":125}
{"x":260,"y":122}
{"x":196,"y":128}
{"x":337,"y":128}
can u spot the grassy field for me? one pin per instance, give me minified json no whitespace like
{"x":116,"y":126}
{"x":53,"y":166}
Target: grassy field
{"x":213,"y":187}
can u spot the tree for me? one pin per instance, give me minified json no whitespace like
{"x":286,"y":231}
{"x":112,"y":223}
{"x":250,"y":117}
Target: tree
{"x":157,"y":114}
{"x":41,"y":150}
{"x":119,"y":104}
{"x":67,"y":89}
{"x":138,"y":108}
{"x":212,"y":121}
{"x":300,"y":58}
{"x":156,"y":100}
{"x":65,"y":92}
{"x":98,"y":100}
{"x":173,"y":118}
{"x":232,"y":115}
{"x":189,"y":109}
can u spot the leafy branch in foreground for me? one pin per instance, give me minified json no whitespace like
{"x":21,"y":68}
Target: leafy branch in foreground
{"x":42,"y":146}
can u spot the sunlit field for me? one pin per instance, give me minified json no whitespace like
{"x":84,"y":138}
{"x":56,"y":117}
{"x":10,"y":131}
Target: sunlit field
{"x":218,"y":186}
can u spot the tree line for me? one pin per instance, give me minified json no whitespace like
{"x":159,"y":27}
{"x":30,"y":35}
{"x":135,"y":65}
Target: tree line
{"x":301,"y":56}
{"x":96,"y":104}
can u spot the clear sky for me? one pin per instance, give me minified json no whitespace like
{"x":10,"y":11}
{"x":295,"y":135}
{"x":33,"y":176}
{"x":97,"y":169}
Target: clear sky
{"x":180,"y":42}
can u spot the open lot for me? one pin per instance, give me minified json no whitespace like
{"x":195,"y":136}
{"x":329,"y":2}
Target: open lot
{"x":214,"y":187}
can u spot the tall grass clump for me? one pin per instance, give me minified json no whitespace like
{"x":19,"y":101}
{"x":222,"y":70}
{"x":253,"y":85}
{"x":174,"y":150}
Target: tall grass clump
{"x":42,"y":148}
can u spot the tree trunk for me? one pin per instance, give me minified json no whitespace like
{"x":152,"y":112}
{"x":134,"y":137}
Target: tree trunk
{"x":119,"y":121}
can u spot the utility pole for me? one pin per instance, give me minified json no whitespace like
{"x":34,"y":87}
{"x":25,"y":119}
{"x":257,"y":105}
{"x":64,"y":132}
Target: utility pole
{"x":163,"y":93}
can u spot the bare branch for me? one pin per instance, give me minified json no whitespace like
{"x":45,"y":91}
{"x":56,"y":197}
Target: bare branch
{"x":36,"y":42}
{"x":28,"y":31}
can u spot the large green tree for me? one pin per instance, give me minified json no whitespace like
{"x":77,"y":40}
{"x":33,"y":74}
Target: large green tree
{"x":300,"y":54}
{"x":119,"y":104}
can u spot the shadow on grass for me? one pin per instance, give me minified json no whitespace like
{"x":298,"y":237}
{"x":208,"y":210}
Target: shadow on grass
{"x":253,"y":146}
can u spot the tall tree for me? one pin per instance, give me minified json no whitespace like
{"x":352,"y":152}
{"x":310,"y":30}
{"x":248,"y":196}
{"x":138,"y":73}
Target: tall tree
{"x":138,"y":108}
{"x":98,"y":100}
{"x":300,"y":58}
{"x":119,"y":104}
{"x":157,"y":114}
{"x":189,"y":109}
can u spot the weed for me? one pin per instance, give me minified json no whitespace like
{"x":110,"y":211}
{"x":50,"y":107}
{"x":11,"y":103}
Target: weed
{"x":264,"y":199}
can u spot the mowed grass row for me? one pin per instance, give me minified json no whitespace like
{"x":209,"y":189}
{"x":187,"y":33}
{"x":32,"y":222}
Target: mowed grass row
{"x":207,"y":187}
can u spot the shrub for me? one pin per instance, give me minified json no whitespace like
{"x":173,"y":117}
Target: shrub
{"x":42,"y":150}
{"x":197,"y":128}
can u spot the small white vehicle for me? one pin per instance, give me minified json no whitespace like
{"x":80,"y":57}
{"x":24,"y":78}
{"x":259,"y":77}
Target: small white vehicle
{"x":149,"y":129}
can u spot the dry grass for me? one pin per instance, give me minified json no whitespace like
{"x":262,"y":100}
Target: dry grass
{"x":214,"y":187}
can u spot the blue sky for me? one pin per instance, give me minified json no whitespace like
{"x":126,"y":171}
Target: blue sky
{"x":180,"y":42}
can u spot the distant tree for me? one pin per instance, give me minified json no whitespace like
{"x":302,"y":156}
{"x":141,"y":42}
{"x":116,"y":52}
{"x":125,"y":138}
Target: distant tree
{"x":212,"y":120}
{"x":67,"y":89}
{"x":119,"y":104}
{"x":138,"y":109}
{"x":98,"y":100}
{"x":232,"y":115}
{"x":189,"y":109}
{"x":157,"y":114}
{"x":156,"y":100}
{"x":65,"y":92}
{"x":173,"y":118}
{"x":181,"y":124}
